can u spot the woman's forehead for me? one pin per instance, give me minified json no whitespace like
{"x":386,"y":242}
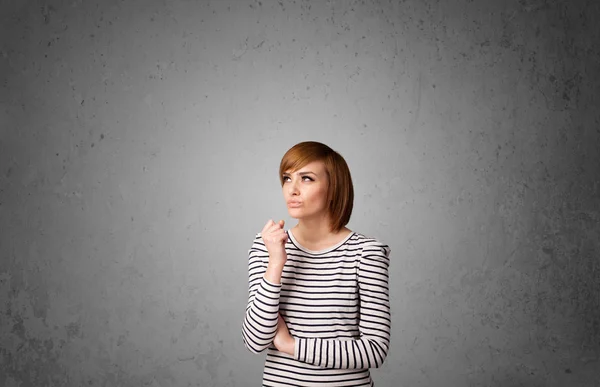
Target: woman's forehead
{"x":315,"y":167}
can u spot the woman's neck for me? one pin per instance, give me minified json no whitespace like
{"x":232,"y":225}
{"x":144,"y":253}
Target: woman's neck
{"x":315,"y":233}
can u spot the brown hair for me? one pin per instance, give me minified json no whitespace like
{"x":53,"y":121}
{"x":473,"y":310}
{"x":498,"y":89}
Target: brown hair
{"x":340,"y":192}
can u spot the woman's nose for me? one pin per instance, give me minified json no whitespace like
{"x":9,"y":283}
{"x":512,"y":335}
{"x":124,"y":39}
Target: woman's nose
{"x":293,"y":188}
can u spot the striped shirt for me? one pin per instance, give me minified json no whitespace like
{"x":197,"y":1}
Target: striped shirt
{"x":335,"y":303}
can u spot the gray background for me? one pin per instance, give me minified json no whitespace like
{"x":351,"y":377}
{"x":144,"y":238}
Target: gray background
{"x":139,"y":147}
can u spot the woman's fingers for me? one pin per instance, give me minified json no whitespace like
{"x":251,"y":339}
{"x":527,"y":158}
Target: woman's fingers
{"x":275,"y":237}
{"x":267,"y":226}
{"x":271,"y":226}
{"x":278,"y":225}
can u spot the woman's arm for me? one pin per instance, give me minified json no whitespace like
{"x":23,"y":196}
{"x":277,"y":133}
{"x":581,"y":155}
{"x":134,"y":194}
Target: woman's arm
{"x":371,"y":349}
{"x":260,"y":320}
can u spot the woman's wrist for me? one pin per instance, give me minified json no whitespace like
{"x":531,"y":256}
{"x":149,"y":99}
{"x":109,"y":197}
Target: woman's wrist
{"x":291,"y":346}
{"x":273,"y":273}
{"x":285,"y":343}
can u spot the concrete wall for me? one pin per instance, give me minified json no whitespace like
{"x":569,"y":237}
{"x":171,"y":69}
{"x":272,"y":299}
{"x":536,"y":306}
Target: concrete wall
{"x":139,"y":146}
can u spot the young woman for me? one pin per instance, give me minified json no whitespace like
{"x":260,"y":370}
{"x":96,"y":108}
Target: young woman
{"x":318,"y":293}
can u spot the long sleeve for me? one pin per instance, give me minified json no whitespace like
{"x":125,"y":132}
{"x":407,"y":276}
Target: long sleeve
{"x":260,"y":320}
{"x":371,"y":348}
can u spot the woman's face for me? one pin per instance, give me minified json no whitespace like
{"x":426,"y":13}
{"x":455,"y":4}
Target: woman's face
{"x":305,"y":191}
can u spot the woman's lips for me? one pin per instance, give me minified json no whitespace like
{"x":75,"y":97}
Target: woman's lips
{"x":294,"y":204}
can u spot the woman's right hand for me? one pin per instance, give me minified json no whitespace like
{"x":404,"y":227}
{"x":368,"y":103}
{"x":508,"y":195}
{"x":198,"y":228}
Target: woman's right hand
{"x":274,"y":237}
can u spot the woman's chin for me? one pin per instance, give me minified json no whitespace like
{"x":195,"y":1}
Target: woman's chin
{"x":294,"y":213}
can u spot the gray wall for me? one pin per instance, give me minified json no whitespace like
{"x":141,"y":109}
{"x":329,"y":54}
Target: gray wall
{"x":139,"y":146}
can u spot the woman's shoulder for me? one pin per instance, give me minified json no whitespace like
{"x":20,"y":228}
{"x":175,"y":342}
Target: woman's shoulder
{"x":367,"y":239}
{"x":371,"y":243}
{"x":258,"y":244}
{"x":257,"y":238}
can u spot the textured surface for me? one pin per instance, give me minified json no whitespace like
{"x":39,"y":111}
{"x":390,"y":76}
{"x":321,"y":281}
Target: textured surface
{"x":139,"y":146}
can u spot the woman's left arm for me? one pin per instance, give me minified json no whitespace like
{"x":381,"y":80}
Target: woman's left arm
{"x":371,"y":349}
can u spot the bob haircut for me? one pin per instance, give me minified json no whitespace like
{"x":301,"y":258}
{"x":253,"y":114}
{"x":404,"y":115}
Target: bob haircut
{"x":340,"y":192}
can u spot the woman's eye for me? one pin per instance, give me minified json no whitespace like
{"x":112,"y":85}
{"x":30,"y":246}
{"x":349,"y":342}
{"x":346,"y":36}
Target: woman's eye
{"x":286,"y":178}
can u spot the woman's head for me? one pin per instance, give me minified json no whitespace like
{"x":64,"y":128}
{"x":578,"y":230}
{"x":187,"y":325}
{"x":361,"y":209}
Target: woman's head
{"x":327,"y":190}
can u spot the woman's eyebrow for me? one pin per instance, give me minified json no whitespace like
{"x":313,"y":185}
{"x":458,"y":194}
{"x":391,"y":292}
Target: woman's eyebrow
{"x":302,"y":173}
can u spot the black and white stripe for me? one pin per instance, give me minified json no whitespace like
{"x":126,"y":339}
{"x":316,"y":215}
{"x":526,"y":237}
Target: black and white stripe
{"x":335,"y":303}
